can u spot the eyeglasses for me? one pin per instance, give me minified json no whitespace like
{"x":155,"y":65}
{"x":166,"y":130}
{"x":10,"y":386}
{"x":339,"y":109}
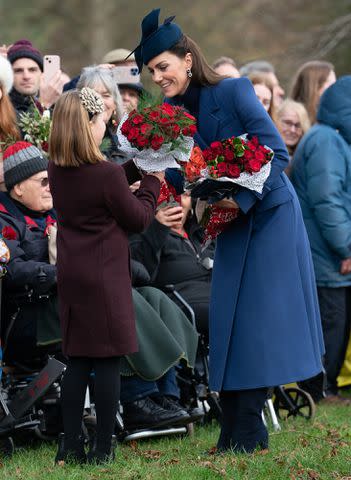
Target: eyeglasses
{"x":44,"y":182}
{"x":291,"y":125}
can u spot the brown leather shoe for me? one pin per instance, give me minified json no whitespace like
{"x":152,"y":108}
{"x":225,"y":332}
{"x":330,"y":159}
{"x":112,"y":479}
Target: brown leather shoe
{"x":335,"y":400}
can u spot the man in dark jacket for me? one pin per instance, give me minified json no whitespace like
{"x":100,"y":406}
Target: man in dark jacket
{"x":27,"y":65}
{"x":30,"y":319}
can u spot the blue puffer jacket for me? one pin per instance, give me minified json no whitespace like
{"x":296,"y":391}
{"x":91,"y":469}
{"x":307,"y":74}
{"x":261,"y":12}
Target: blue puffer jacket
{"x":321,"y":174}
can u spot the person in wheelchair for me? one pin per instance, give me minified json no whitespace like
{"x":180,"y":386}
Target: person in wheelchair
{"x":171,"y":251}
{"x":30,"y":327}
{"x":149,"y":390}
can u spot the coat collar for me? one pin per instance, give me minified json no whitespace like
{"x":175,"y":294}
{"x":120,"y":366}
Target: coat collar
{"x":210,"y":116}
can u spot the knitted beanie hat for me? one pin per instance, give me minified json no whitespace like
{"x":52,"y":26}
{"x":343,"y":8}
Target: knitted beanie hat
{"x":6,"y":74}
{"x":24,"y":49}
{"x":21,"y":161}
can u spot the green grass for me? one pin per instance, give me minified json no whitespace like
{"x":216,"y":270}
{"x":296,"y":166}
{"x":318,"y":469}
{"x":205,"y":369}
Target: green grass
{"x":319,"y":449}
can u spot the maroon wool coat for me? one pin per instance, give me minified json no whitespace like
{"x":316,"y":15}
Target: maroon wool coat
{"x":96,"y":211}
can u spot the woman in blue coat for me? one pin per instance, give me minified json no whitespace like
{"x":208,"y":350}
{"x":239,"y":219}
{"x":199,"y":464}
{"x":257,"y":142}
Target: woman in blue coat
{"x":264,"y":318}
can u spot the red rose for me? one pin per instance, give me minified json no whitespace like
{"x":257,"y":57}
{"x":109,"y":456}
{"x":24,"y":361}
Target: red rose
{"x":138,"y":119}
{"x":145,"y":128}
{"x":222,"y":168}
{"x":175,"y":131}
{"x":217,"y":148}
{"x":248,"y":155}
{"x":234,"y":171}
{"x":142,"y":141}
{"x":167,"y":108}
{"x":254,"y":165}
{"x":156,"y":142}
{"x":228,"y":154}
{"x":192,"y":130}
{"x":154,"y":115}
{"x":133,"y":134}
{"x":186,"y":114}
{"x":164,"y":121}
{"x":125,"y":127}
{"x":45,"y":146}
{"x":259,"y":156}
{"x":9,"y":233}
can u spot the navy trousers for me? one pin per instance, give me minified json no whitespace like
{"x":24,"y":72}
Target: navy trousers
{"x":242,"y":428}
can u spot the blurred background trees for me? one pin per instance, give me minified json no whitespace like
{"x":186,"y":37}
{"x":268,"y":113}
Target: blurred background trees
{"x":286,"y":33}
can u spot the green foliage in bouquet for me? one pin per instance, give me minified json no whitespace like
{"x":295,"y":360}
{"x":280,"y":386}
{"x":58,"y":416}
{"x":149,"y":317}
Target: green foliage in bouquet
{"x":36,"y":128}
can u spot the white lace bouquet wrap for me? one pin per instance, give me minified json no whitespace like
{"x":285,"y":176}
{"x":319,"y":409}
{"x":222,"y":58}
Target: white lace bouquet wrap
{"x":254,"y":181}
{"x":150,"y":160}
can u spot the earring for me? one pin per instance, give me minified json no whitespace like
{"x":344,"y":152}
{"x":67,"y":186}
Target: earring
{"x":189,"y":72}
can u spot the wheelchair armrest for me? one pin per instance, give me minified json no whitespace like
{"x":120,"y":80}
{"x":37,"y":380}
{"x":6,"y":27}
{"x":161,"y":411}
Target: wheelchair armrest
{"x":171,"y":289}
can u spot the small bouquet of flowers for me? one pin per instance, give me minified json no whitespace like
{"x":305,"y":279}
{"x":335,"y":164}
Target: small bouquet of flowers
{"x":36,"y":128}
{"x":216,"y":173}
{"x":7,"y":233}
{"x":157,"y":137}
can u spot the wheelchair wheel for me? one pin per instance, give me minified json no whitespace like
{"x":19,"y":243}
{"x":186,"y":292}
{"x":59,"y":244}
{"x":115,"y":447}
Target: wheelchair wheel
{"x":7,"y":447}
{"x":294,"y":402}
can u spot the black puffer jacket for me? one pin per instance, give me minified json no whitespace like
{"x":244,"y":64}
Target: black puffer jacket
{"x":29,"y":301}
{"x":172,"y":259}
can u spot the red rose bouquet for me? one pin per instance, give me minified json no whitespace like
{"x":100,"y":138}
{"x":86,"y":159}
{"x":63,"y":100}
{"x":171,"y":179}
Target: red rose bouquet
{"x":157,"y":137}
{"x":7,"y":233}
{"x":217,"y":172}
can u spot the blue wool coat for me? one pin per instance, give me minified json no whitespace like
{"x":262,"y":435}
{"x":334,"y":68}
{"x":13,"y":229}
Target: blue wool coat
{"x":264,"y":319}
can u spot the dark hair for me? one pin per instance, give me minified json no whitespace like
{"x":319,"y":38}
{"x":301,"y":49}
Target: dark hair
{"x":203,"y":74}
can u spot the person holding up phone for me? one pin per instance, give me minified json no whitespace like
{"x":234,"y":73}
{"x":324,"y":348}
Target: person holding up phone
{"x":29,"y":85}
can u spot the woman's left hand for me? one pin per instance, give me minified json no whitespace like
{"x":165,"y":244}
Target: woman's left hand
{"x":226,"y":203}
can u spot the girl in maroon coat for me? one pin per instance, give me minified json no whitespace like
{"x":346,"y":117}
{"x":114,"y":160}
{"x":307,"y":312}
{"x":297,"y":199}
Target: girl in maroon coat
{"x":96,"y":211}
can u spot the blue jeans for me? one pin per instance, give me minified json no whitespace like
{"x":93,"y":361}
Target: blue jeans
{"x":134,"y":388}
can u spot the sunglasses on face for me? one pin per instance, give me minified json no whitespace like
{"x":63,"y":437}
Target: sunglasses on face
{"x":44,"y":182}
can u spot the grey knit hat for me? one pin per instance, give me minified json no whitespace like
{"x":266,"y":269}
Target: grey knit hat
{"x":21,"y":161}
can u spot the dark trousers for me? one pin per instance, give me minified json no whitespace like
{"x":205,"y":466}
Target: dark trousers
{"x":335,"y":308}
{"x":134,"y":388}
{"x":242,"y":428}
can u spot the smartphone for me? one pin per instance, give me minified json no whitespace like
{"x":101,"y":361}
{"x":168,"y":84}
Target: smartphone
{"x":126,"y":74}
{"x":51,"y":66}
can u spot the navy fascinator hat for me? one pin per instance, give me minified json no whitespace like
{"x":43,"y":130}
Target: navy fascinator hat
{"x":155,"y":38}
